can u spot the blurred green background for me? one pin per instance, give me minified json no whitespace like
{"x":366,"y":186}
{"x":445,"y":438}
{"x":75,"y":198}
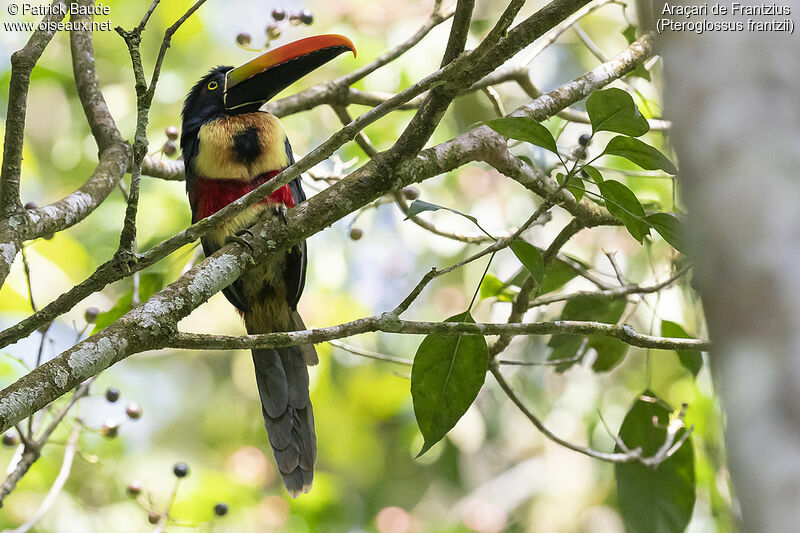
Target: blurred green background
{"x":494,"y":471}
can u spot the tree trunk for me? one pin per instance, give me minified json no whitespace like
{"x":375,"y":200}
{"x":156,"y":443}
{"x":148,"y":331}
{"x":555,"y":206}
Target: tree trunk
{"x":734,"y":98}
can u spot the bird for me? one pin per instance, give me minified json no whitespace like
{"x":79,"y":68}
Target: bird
{"x":229,"y":148}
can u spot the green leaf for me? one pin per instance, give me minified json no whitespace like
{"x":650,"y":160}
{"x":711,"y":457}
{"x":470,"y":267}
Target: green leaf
{"x":639,"y":153}
{"x":669,"y":227}
{"x":640,"y":72}
{"x":656,"y":500}
{"x":530,"y":258}
{"x":447,"y":373}
{"x":420,"y":206}
{"x":149,"y":284}
{"x":614,"y":110}
{"x":610,"y":351}
{"x":593,"y":173}
{"x":491,"y":287}
{"x":526,"y":130}
{"x":690,"y":359}
{"x":629,"y":33}
{"x":557,"y":275}
{"x":576,"y":190}
{"x":564,"y":348}
{"x":625,"y":207}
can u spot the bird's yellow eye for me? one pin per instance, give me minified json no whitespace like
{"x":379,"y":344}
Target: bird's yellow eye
{"x":212,"y":85}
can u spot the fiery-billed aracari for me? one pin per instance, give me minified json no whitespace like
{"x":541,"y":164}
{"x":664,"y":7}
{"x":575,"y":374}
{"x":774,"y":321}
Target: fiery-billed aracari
{"x":230,"y":148}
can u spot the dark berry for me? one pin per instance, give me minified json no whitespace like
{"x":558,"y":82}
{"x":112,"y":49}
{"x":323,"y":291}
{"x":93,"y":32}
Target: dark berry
{"x":356,"y":233}
{"x":584,"y":139}
{"x":578,"y":152}
{"x":278,"y":13}
{"x":411,"y":193}
{"x":110,"y":429}
{"x":172,"y":132}
{"x":180,"y":469}
{"x":221,"y":509}
{"x":243,"y":39}
{"x":169,"y":148}
{"x":10,"y":439}
{"x":153,"y":517}
{"x":306,"y":16}
{"x":91,"y":314}
{"x":31,"y":205}
{"x":273,"y":30}
{"x":112,"y":394}
{"x":133,"y":489}
{"x":133,"y":411}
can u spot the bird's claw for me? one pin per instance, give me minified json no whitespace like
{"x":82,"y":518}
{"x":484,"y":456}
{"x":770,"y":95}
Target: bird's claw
{"x":240,"y":238}
{"x":280,"y":210}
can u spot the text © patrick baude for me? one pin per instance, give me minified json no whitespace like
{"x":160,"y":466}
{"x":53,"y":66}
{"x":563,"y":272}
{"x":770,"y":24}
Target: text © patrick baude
{"x":64,"y":9}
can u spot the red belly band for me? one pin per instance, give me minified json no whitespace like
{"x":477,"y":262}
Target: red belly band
{"x":210,"y":195}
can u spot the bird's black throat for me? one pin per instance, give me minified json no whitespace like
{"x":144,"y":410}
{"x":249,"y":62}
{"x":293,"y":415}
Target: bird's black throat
{"x":247,"y":146}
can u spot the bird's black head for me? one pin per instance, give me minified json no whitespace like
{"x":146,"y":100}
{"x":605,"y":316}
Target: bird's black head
{"x":229,"y":91}
{"x":205,"y":102}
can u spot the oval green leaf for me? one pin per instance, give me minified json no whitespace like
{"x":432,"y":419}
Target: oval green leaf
{"x":530,"y":258}
{"x":149,"y":284}
{"x":691,"y":360}
{"x":593,"y":173}
{"x":447,"y":374}
{"x":669,"y":227}
{"x":614,"y":110}
{"x":656,"y":500}
{"x":640,"y":153}
{"x":526,"y":130}
{"x":625,"y":207}
{"x":491,"y":287}
{"x":420,"y":206}
{"x":610,"y":351}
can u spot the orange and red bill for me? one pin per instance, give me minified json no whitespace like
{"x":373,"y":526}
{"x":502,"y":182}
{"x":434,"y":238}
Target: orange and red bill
{"x":260,"y":79}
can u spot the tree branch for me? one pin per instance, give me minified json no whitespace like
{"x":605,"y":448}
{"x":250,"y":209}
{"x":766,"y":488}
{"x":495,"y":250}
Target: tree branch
{"x":13,"y":218}
{"x":389,"y":323}
{"x":22,"y":63}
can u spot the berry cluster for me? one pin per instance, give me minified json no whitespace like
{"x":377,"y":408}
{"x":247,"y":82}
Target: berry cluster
{"x":274,"y":29}
{"x":169,"y":148}
{"x":136,"y":490}
{"x":110,"y":429}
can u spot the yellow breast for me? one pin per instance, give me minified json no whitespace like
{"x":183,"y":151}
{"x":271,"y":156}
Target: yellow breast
{"x":217,"y":157}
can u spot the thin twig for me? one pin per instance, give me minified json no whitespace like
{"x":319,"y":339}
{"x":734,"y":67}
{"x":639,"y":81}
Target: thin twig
{"x":628,"y":455}
{"x":58,"y":484}
{"x":613,"y":292}
{"x":370,"y":354}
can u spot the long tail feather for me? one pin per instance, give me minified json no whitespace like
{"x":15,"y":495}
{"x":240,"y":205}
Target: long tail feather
{"x":282,"y":378}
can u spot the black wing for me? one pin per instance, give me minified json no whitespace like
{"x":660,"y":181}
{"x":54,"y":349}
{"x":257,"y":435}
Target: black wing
{"x":297,"y":261}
